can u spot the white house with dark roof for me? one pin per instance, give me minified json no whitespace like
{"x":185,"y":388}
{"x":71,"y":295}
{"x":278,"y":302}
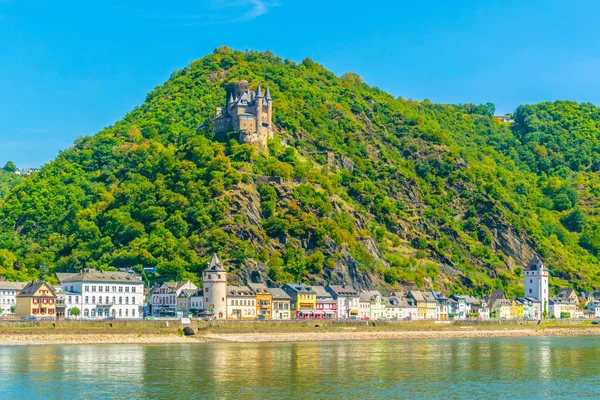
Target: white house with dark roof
{"x":281,"y":304}
{"x":241,"y":303}
{"x":347,"y":299}
{"x":104,"y":294}
{"x":536,"y":278}
{"x":8,"y":296}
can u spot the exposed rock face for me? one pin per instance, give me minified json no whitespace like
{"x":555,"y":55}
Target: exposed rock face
{"x":518,"y":249}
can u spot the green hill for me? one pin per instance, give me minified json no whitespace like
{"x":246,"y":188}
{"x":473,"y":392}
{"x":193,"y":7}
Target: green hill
{"x":8,"y":180}
{"x":357,"y":186}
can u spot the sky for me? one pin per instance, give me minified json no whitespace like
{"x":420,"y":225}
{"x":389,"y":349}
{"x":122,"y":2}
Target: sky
{"x":71,"y":68}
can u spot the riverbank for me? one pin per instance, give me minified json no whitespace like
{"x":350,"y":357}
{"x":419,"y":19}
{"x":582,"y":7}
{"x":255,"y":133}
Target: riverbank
{"x":19,"y":337}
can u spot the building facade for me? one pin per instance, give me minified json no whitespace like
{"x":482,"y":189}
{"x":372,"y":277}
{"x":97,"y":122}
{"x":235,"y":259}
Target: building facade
{"x":264,"y":300}
{"x":303,"y":300}
{"x":164,"y":298}
{"x":241,"y":303}
{"x":37,"y":299}
{"x":104,"y":294}
{"x":347,"y":300}
{"x":8,"y":296}
{"x":281,"y":304}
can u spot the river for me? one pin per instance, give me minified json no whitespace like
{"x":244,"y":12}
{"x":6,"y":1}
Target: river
{"x":499,"y":368}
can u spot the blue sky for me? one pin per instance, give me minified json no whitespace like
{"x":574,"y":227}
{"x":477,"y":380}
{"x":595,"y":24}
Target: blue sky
{"x":70,"y":68}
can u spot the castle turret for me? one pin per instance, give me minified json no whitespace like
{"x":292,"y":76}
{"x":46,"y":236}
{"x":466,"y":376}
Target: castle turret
{"x":269,"y":102}
{"x":214,"y":279}
{"x":259,"y":110}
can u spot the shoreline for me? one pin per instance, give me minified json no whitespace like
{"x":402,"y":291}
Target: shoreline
{"x":45,"y":337}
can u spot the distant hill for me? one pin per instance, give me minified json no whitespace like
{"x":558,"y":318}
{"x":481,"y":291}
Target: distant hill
{"x":357,"y":186}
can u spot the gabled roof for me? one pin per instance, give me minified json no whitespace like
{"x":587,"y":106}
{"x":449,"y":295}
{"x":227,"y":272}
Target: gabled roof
{"x":5,"y":285}
{"x":321,"y":292}
{"x":279,"y":294}
{"x":343,"y":291}
{"x":535,"y":264}
{"x":259,"y":288}
{"x":92,"y":275}
{"x":365,"y":297}
{"x":416,"y":294}
{"x":567,"y":292}
{"x":241,"y":291}
{"x":299,"y":287}
{"x":215,"y":265}
{"x":495,"y":295}
{"x":32,"y":287}
{"x":62,"y":276}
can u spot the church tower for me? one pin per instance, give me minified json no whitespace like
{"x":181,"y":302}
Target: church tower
{"x":536,"y":282}
{"x":214,"y":279}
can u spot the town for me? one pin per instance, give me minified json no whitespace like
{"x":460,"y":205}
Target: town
{"x":94,"y":295}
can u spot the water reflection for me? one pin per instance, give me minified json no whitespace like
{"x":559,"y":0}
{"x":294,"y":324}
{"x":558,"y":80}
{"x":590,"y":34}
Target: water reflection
{"x":458,"y":368}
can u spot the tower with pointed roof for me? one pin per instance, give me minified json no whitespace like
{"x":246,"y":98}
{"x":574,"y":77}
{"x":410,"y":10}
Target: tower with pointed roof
{"x":214,"y":279}
{"x":247,"y":111}
{"x":536,"y":282}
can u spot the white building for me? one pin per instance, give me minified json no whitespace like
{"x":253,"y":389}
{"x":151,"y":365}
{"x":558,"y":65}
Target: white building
{"x":164,"y":297}
{"x":197,"y":301}
{"x":8,"y":296}
{"x":364,"y":305}
{"x":241,"y":303}
{"x":214,"y":280}
{"x":103,"y":294}
{"x":536,"y":283}
{"x":281,"y":304}
{"x":347,"y":300}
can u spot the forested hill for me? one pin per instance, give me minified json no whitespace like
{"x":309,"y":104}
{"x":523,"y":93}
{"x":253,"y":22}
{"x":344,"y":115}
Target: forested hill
{"x":357,"y":186}
{"x":8,"y":180}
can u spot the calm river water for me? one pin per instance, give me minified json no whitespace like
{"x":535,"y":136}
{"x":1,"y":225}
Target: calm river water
{"x":524,"y":368}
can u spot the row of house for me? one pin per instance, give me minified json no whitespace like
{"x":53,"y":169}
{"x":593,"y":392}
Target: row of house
{"x":93,"y":294}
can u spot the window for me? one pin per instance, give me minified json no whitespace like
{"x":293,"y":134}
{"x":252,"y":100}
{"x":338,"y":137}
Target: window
{"x":205,"y":290}
{"x":106,"y":299}
{"x":126,"y":300}
{"x":93,"y":299}
{"x":132,"y":299}
{"x":99,"y":288}
{"x":133,"y":289}
{"x":127,"y":313}
{"x":120,"y":313}
{"x":107,"y":289}
{"x":133,"y":312}
{"x":87,"y":288}
{"x":87,"y":299}
{"x":127,"y":289}
{"x":120,"y":300}
{"x":93,"y":314}
{"x":76,"y":299}
{"x":99,"y":299}
{"x":531,"y":281}
{"x":530,"y":290}
{"x":93,"y":288}
{"x":114,"y":289}
{"x":69,"y":299}
{"x":86,"y":313}
{"x":114,"y":300}
{"x":120,"y":289}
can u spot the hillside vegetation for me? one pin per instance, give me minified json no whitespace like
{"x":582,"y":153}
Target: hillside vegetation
{"x":357,"y":186}
{"x":8,"y":180}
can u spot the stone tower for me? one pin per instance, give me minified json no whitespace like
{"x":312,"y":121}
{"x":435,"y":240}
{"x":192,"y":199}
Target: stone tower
{"x":214,"y":279}
{"x":249,"y":112}
{"x":536,"y":282}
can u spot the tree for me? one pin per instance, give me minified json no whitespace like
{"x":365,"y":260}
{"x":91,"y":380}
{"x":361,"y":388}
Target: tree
{"x":575,"y":220}
{"x":10,"y":167}
{"x":75,"y":312}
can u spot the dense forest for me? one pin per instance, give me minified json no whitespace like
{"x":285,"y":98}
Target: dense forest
{"x":357,"y":186}
{"x":8,"y":178}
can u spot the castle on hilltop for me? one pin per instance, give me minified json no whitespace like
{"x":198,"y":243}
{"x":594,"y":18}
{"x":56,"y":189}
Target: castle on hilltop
{"x":249,"y":112}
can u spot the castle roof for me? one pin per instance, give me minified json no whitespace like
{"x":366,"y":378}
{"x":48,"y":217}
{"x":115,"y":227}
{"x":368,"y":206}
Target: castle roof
{"x":259,"y":92}
{"x":268,"y":95}
{"x":535,"y":263}
{"x":215,"y":265}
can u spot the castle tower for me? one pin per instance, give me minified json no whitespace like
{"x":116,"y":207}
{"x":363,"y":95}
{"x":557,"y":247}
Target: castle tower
{"x":269,"y":103}
{"x":259,"y":109}
{"x":536,"y":283}
{"x":214,"y":279}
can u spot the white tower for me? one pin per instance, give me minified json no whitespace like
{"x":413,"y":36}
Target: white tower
{"x":214,"y":279}
{"x":536,"y":282}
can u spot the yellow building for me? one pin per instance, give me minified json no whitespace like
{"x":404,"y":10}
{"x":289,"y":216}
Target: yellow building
{"x":516,"y":310}
{"x":304,"y":300}
{"x":264,"y":300}
{"x":37,"y":299}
